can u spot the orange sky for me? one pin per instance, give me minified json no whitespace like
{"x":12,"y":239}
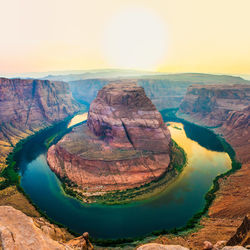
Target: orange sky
{"x":162,"y":35}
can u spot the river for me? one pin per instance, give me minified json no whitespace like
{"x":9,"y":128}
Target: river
{"x":172,"y":208}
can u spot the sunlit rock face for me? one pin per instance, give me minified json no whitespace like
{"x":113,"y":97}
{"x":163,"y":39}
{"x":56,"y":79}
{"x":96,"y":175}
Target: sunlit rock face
{"x":225,"y":108}
{"x":27,"y":105}
{"x":125,"y":143}
{"x":123,"y":115}
{"x":18,"y":231}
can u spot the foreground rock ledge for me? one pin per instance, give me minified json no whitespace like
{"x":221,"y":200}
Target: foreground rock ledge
{"x":125,"y":143}
{"x":19,"y":232}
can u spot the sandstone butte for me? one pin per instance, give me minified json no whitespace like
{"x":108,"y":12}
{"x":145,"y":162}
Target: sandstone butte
{"x":124,"y":144}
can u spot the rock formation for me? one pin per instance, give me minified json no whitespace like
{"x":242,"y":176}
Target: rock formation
{"x":242,"y":235}
{"x":27,"y":105}
{"x":155,"y":246}
{"x":18,"y":231}
{"x":124,"y":115}
{"x":125,"y":143}
{"x":225,"y":109}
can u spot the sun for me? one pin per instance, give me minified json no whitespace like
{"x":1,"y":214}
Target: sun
{"x":135,"y":38}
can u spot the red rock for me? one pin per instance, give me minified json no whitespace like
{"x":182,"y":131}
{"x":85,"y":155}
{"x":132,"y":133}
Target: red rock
{"x":27,"y":105}
{"x":226,"y":107}
{"x":207,"y":245}
{"x":123,"y":114}
{"x":124,"y":145}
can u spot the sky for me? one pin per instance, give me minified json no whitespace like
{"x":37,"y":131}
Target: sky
{"x":209,"y":36}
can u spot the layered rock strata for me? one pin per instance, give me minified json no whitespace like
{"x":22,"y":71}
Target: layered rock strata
{"x":27,"y":105}
{"x":125,"y":143}
{"x":225,"y":109}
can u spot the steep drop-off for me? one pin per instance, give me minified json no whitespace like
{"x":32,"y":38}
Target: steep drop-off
{"x":19,"y":232}
{"x":225,"y":109}
{"x":124,"y":145}
{"x":27,"y":105}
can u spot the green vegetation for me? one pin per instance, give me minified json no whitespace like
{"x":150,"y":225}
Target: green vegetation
{"x":178,"y":157}
{"x":177,"y":128}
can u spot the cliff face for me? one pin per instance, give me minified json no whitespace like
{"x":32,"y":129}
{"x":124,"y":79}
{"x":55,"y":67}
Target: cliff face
{"x":27,"y":105}
{"x":125,"y":115}
{"x":212,"y":104}
{"x":225,"y":107}
{"x":125,"y":143}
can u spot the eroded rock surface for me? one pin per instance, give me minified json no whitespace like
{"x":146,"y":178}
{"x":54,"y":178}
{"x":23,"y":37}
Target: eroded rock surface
{"x":155,"y":246}
{"x":125,"y":143}
{"x":226,"y":110}
{"x":19,"y":232}
{"x":27,"y":105}
{"x":123,"y":115}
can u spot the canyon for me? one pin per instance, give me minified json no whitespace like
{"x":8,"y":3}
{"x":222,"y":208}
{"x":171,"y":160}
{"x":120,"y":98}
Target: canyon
{"x":164,"y":90}
{"x":28,"y":105}
{"x":225,"y":110}
{"x":124,"y":145}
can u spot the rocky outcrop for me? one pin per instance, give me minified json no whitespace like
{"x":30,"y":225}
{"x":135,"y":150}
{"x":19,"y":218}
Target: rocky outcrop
{"x":18,"y":231}
{"x":27,"y":105}
{"x":125,"y":143}
{"x":155,"y":246}
{"x":207,"y":246}
{"x":242,"y":235}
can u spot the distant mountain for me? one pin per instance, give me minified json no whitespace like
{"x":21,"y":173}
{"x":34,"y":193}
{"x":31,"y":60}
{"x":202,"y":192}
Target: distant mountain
{"x":102,"y":73}
{"x":245,"y":76}
{"x":137,"y":74}
{"x":165,"y":91}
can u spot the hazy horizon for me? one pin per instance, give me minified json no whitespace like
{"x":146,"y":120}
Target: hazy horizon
{"x":179,"y":36}
{"x":138,"y":71}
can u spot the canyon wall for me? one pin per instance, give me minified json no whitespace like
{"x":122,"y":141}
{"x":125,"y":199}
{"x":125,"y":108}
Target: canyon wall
{"x":28,"y":105}
{"x":165,"y":91}
{"x":225,"y":108}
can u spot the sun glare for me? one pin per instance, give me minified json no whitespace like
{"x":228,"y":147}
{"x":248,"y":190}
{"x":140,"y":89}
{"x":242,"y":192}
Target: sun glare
{"x":135,"y":38}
